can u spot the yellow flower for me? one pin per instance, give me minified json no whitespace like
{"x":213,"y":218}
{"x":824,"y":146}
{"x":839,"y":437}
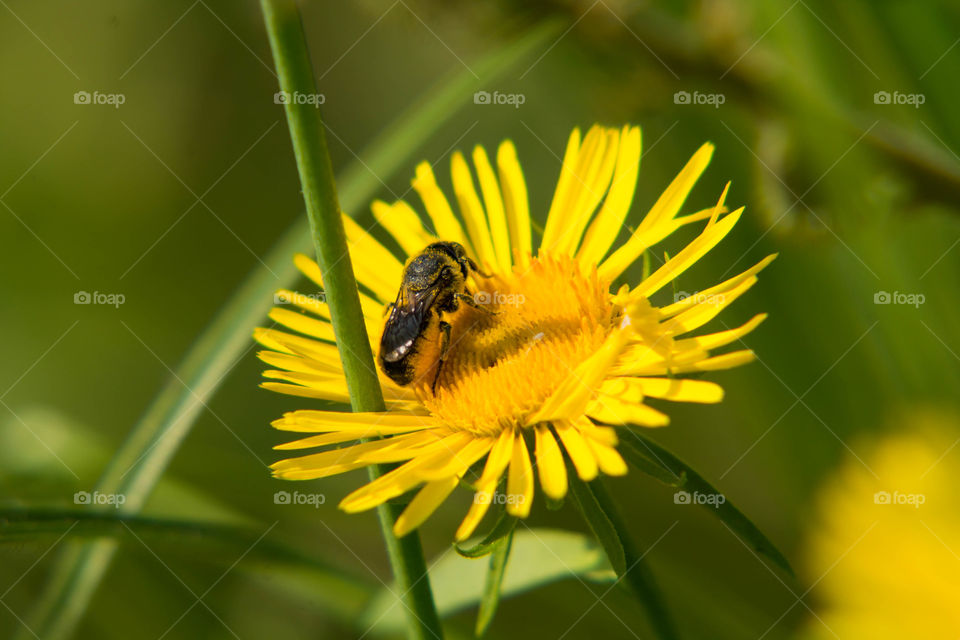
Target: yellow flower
{"x":560,"y":360}
{"x":883,"y":554}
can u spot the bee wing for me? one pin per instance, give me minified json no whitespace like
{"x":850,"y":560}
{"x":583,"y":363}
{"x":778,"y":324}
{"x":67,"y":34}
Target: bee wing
{"x":410,"y":313}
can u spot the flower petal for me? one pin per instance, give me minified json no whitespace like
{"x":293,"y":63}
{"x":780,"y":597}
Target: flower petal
{"x":497,"y":463}
{"x":606,"y":227}
{"x":658,"y":223}
{"x":550,"y":466}
{"x":472,"y":211}
{"x":515,"y":201}
{"x":520,"y":480}
{"x":403,"y":223}
{"x":424,"y":504}
{"x":445,"y":223}
{"x":493,"y":203}
{"x":579,"y":451}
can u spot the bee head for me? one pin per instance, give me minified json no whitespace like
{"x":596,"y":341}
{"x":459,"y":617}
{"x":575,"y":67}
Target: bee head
{"x":457,"y":253}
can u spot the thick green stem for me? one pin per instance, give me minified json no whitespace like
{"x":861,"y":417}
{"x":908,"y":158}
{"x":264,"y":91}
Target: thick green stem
{"x":284,"y":27}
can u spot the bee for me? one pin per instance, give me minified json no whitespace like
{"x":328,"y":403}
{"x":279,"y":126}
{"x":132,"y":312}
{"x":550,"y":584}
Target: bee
{"x":434,"y":283}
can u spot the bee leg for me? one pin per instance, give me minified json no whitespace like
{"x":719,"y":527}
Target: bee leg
{"x":444,"y":345}
{"x":471,"y":301}
{"x":389,"y":308}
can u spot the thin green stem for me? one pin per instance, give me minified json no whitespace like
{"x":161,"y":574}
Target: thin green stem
{"x":285,"y":30}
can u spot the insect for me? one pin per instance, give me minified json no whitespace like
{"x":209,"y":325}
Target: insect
{"x":433,"y":284}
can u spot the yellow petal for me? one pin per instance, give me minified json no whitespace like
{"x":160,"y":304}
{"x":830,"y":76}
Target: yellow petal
{"x":579,"y":184}
{"x":402,"y":479}
{"x":493,"y":203}
{"x":376,"y":268}
{"x":302,"y":323}
{"x":716,"y":363}
{"x":445,"y":224}
{"x":608,"y":459}
{"x":689,"y":255}
{"x":615,"y":411}
{"x":658,"y":223}
{"x":597,"y":173}
{"x":723,"y":338}
{"x":497,"y":463}
{"x":606,"y":227}
{"x":723,"y":287}
{"x":550,"y":466}
{"x":675,"y":389}
{"x":312,"y":421}
{"x":298,"y":363}
{"x":328,"y":463}
{"x":520,"y":480}
{"x":515,"y":201}
{"x":706,"y":309}
{"x":568,"y":176}
{"x":473,"y":214}
{"x":579,"y":451}
{"x":423,"y":505}
{"x":402,"y":222}
{"x":334,"y":392}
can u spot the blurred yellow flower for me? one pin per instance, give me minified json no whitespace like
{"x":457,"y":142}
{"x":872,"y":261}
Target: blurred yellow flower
{"x":560,"y":360}
{"x":885,"y":551}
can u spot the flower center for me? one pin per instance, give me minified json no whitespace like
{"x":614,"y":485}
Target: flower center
{"x":532,"y":327}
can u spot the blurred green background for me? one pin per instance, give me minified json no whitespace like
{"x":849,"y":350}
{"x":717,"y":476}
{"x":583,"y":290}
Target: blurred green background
{"x":174,"y":197}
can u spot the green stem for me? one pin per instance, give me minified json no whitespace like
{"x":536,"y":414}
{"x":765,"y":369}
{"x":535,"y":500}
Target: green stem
{"x":287,"y":41}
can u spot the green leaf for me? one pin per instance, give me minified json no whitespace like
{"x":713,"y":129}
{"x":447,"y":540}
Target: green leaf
{"x":601,"y":516}
{"x":644,"y":461}
{"x":662,"y":465}
{"x":538,"y":557}
{"x":155,"y":439}
{"x":279,"y":565}
{"x":504,"y":527}
{"x":491,"y":589}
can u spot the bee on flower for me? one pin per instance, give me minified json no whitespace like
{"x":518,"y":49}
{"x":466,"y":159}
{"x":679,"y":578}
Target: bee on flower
{"x":498,"y":357}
